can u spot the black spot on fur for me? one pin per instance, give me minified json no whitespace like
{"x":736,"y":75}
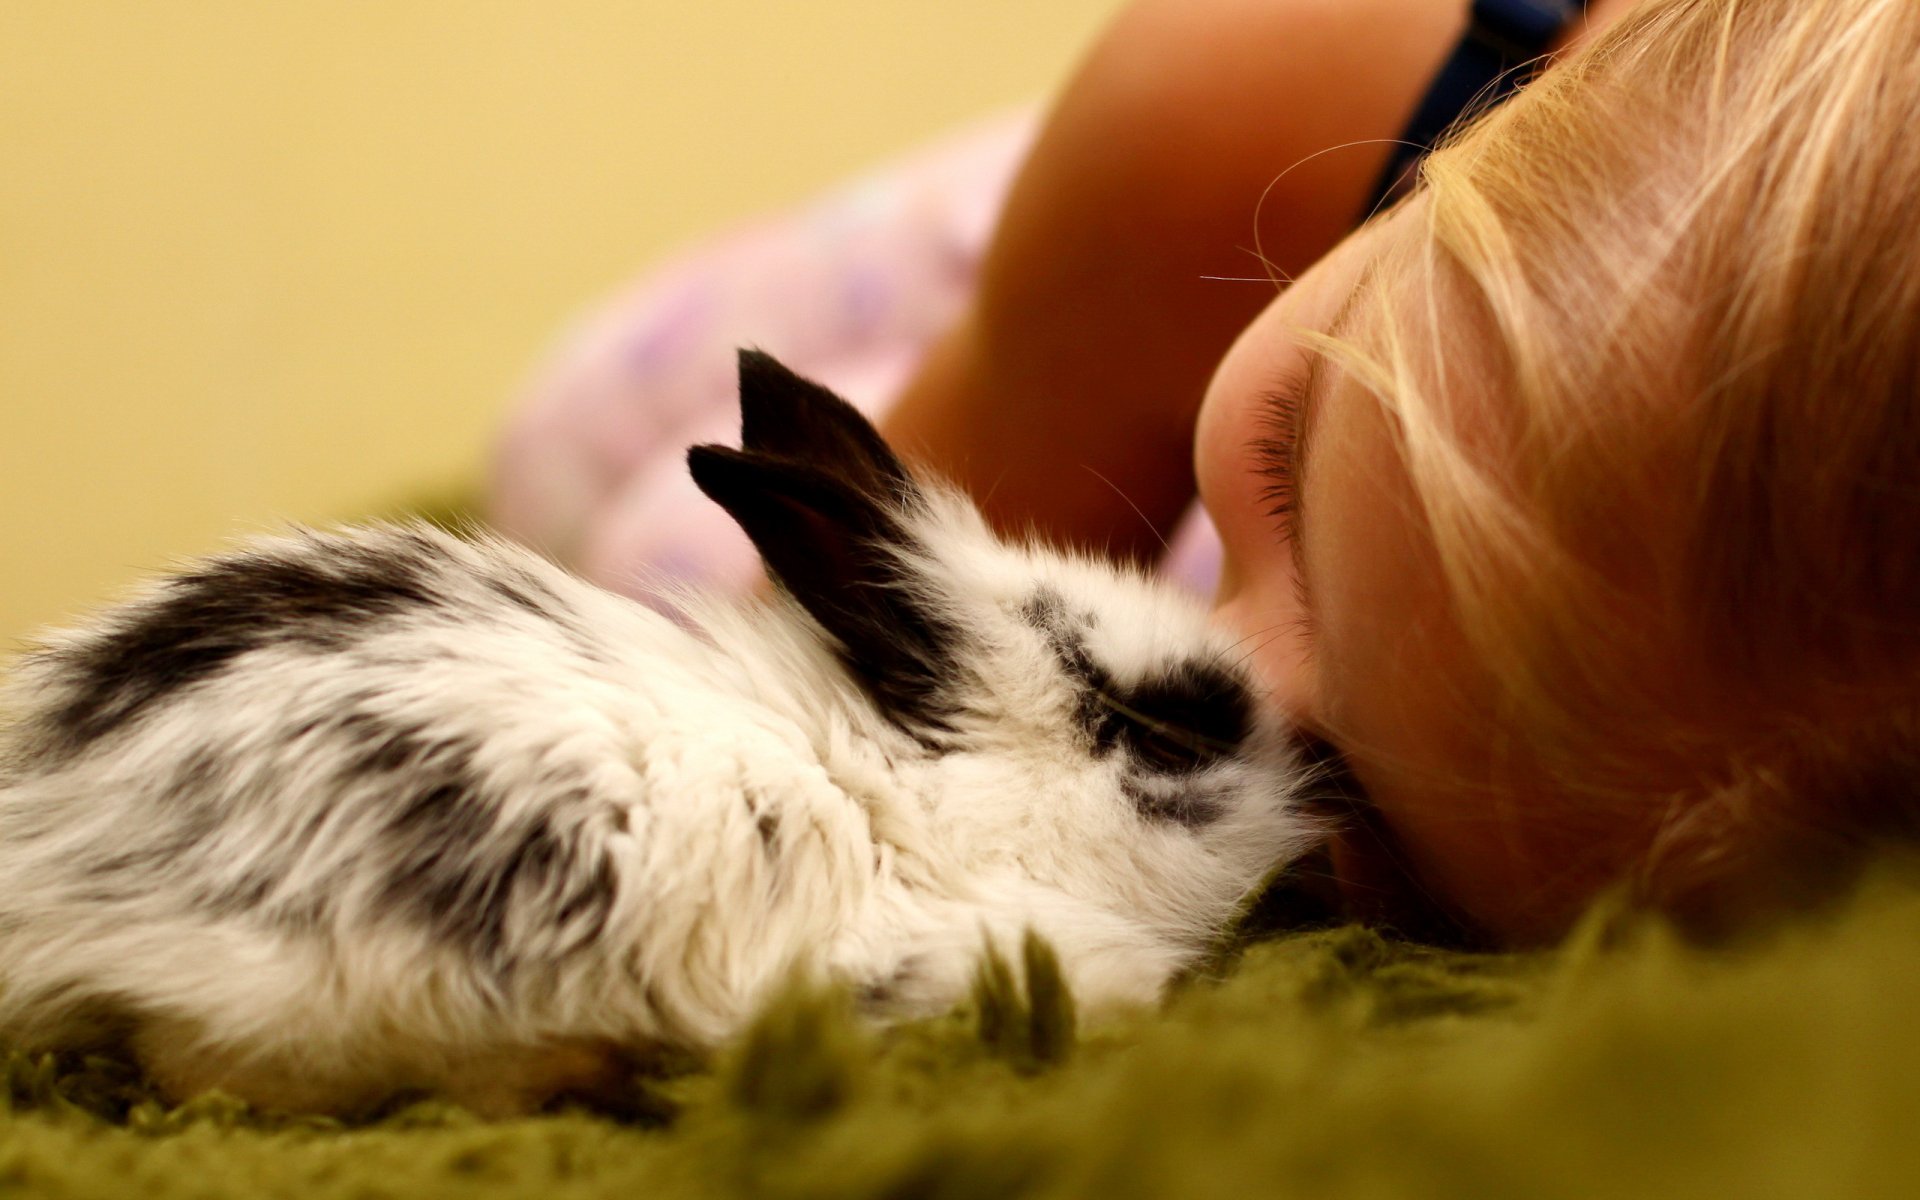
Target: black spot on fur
{"x":525,"y":592}
{"x":522,"y":589}
{"x":382,"y":746}
{"x":1173,"y":725}
{"x":1046,"y":612}
{"x":765,"y":823}
{"x":248,"y":893}
{"x":206,"y":618}
{"x":200,"y":769}
{"x":135,"y":866}
{"x":462,"y":872}
{"x":586,"y":904}
{"x":442,"y":875}
{"x":1162,"y":799}
{"x":1194,"y":715}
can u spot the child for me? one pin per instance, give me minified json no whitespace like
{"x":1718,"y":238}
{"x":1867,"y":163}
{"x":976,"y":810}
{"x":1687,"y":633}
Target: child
{"x":1571,"y":501}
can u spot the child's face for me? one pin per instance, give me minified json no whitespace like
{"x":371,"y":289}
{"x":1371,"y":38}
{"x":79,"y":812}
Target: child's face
{"x":1347,"y":621}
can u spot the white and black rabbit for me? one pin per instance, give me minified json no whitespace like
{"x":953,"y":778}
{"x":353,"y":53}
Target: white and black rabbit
{"x":337,"y":815}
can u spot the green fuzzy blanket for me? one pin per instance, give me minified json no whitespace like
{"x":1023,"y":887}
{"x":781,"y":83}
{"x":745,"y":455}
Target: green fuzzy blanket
{"x":1330,"y":1063}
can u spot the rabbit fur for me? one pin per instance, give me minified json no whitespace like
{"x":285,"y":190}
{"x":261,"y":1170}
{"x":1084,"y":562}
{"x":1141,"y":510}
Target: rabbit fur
{"x":337,"y":815}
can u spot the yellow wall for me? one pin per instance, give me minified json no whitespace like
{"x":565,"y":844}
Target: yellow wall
{"x":290,"y":259}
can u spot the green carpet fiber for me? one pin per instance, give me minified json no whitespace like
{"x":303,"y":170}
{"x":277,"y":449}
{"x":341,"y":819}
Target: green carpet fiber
{"x":1324,"y":1063}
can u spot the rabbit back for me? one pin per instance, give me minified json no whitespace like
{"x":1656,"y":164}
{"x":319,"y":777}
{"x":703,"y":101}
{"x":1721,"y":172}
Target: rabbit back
{"x":392,"y":797}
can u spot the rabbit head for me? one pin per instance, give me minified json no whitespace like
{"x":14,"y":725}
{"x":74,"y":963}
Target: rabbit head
{"x":1073,"y":730}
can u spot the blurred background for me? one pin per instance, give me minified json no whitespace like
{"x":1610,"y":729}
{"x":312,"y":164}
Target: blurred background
{"x":262,"y":262}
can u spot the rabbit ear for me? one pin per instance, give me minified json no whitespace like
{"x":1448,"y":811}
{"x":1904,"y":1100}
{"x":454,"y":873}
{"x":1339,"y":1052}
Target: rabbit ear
{"x":786,"y":416}
{"x":835,"y":545}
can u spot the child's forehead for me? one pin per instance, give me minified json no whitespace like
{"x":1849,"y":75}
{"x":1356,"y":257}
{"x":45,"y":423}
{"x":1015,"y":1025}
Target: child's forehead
{"x":1400,"y":302}
{"x":1342,"y":294}
{"x":1362,"y":258}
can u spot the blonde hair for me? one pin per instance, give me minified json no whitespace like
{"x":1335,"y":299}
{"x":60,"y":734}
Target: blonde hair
{"x":1693,"y":570}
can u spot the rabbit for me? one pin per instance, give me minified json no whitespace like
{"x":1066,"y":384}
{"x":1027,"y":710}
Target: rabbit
{"x":336,"y":816}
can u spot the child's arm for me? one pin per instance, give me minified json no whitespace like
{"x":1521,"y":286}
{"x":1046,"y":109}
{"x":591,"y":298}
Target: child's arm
{"x":1077,"y":371}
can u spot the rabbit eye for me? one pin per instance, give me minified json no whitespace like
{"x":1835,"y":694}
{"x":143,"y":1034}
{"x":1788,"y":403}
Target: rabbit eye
{"x":1165,"y":750}
{"x":1184,"y":720}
